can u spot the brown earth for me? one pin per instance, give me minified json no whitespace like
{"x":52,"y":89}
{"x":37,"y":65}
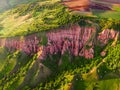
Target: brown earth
{"x":77,"y":4}
{"x":86,"y":5}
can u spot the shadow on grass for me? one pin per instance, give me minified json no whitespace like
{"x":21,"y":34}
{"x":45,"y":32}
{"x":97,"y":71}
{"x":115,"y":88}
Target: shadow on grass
{"x":78,"y":83}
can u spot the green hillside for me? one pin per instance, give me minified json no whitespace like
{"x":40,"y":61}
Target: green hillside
{"x":20,"y":71}
{"x":34,"y":17}
{"x":44,"y":15}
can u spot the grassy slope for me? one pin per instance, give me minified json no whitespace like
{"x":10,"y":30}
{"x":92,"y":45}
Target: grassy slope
{"x":107,"y":14}
{"x":20,"y":71}
{"x":34,"y":17}
{"x":41,"y":16}
{"x":80,"y":74}
{"x":88,"y":75}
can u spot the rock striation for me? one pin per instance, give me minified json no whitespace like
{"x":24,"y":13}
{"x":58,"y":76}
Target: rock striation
{"x":28,"y":44}
{"x":76,"y":40}
{"x":106,"y":35}
{"x":73,"y":40}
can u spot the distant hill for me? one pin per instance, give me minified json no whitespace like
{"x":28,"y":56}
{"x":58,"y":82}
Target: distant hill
{"x":4,"y":4}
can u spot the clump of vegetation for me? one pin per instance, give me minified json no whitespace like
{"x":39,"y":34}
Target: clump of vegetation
{"x":109,"y":24}
{"x":113,"y":57}
{"x":46,"y":15}
{"x":21,"y":71}
{"x":35,"y":17}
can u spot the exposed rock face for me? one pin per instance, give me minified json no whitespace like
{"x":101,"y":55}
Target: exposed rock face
{"x":78,"y":41}
{"x":72,"y":40}
{"x":28,"y":44}
{"x":103,"y":53}
{"x":106,"y":35}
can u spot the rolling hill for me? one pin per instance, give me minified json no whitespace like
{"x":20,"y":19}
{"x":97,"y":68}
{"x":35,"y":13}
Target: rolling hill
{"x":59,"y":45}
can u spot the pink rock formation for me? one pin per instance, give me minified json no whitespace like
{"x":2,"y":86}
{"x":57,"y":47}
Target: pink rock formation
{"x":103,"y":53}
{"x":73,"y":39}
{"x":87,"y":53}
{"x":29,"y":44}
{"x":106,"y":35}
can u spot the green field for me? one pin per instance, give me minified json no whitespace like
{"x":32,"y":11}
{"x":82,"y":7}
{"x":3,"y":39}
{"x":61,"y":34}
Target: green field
{"x":107,"y":14}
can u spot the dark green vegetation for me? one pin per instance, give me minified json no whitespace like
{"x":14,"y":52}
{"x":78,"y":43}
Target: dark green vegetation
{"x":107,"y":14}
{"x":19,"y":71}
{"x":99,"y":73}
{"x":44,"y":15}
{"x":34,"y":17}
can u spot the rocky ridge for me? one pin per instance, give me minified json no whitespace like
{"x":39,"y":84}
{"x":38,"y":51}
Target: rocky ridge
{"x":78,"y":41}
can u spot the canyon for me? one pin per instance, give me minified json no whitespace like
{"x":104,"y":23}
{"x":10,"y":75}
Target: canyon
{"x":74,"y":39}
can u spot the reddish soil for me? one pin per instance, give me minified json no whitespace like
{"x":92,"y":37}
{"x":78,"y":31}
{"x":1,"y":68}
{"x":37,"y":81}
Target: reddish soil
{"x":86,"y":5}
{"x":77,"y":4}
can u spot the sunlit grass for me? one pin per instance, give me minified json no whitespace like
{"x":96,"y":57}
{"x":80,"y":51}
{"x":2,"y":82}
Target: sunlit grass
{"x":107,"y":14}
